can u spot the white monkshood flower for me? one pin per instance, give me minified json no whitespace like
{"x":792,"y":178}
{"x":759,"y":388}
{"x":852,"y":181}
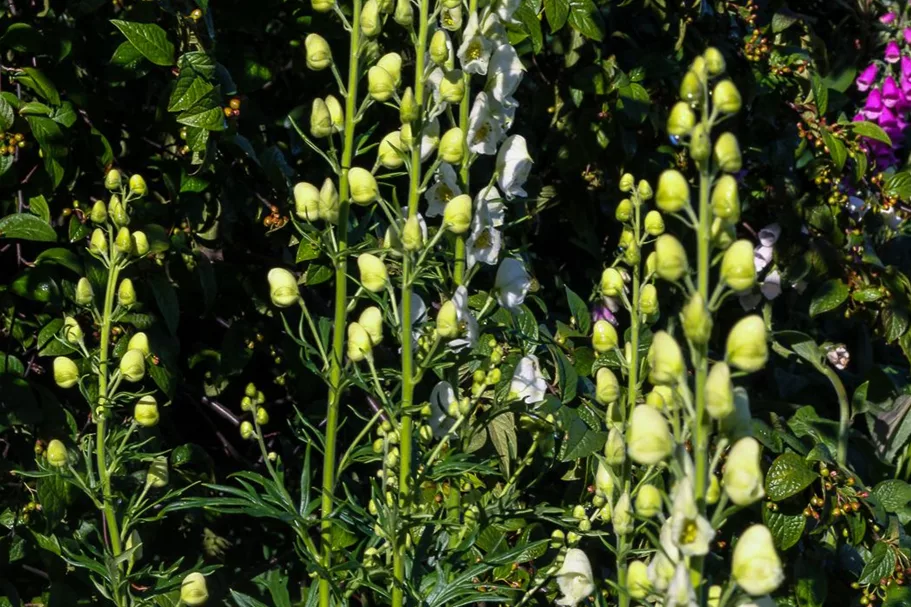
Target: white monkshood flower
{"x":575,"y":578}
{"x":686,"y":529}
{"x":505,"y":9}
{"x":528,"y":383}
{"x":513,"y":166}
{"x":474,"y":53}
{"x":680,"y":592}
{"x":469,"y":324}
{"x":512,"y":283}
{"x":485,"y":125}
{"x":755,"y":565}
{"x":441,"y":398}
{"x":418,"y":315}
{"x":484,"y":242}
{"x":445,"y":188}
{"x":504,"y":72}
{"x":430,"y":138}
{"x":661,"y":569}
{"x":770,"y":288}
{"x":762,"y":255}
{"x":437,"y":107}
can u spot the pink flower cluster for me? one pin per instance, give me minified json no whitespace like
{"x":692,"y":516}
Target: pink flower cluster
{"x":889,"y":99}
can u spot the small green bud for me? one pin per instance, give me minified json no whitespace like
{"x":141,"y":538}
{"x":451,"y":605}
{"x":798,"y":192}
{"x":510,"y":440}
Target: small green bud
{"x":412,"y":235}
{"x":654,"y":223}
{"x":645,"y":190}
{"x":322,"y":6}
{"x":714,"y":61}
{"x":452,"y":145}
{"x":737,"y":267}
{"x":607,"y":387}
{"x":362,"y":185}
{"x":665,"y":360}
{"x":651,"y":263}
{"x":648,"y":436}
{"x":390,"y":152}
{"x":98,"y":243}
{"x":139,"y":341}
{"x":746,"y":344}
{"x":336,"y":113}
{"x":648,"y":299}
{"x":84,"y":295}
{"x":113,"y":180}
{"x":372,"y":321}
{"x":457,"y":214}
{"x":139,"y":245}
{"x":662,"y":398}
{"x":623,"y":520}
{"x":138,"y":185}
{"x":373,"y":273}
{"x":409,"y":110}
{"x":193,"y":590}
{"x":719,"y":392}
{"x":624,"y":210}
{"x":145,"y":411}
{"x":72,"y":332}
{"x":648,"y":501}
{"x":123,"y":243}
{"x":319,"y":55}
{"x":157,"y":474}
{"x":579,"y":512}
{"x":611,"y":282}
{"x":328,"y":201}
{"x":57,"y":454}
{"x":404,"y":14}
{"x":282,"y":287}
{"x":133,"y":366}
{"x":727,"y":153}
{"x":713,"y":493}
{"x":380,"y":84}
{"x":681,"y":120}
{"x":691,"y":88}
{"x":673,"y":191}
{"x":247,"y":431}
{"x":698,"y":67}
{"x":670,"y":258}
{"x":99,"y":213}
{"x":320,"y":119}
{"x":726,"y":97}
{"x":117,"y":211}
{"x":637,"y":579}
{"x":725,"y":199}
{"x":66,"y":373}
{"x":697,"y":321}
{"x":614,"y":448}
{"x":439,"y":47}
{"x":448,"y":321}
{"x":370,"y":23}
{"x":452,"y":87}
{"x":126,"y":294}
{"x":262,"y":416}
{"x":306,"y":201}
{"x":700,"y":144}
{"x":627,"y":183}
{"x":604,"y":337}
{"x":723,"y":233}
{"x":632,"y":253}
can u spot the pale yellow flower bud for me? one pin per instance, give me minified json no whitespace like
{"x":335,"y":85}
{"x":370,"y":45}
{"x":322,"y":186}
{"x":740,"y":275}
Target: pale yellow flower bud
{"x":614,"y":448}
{"x":371,"y":24}
{"x":611,"y":282}
{"x":670,"y":258}
{"x":138,"y":185}
{"x":57,"y":454}
{"x":452,"y":145}
{"x":727,"y":153}
{"x":661,"y":398}
{"x":322,"y":6}
{"x":412,"y":234}
{"x":673,"y":191}
{"x":448,"y":321}
{"x":336,"y":113}
{"x":439,"y":47}
{"x":320,"y":120}
{"x":98,"y":243}
{"x":714,"y":61}
{"x":681,"y":119}
{"x":145,"y":411}
{"x":607,"y":387}
{"x":139,"y":244}
{"x":84,"y":294}
{"x":648,"y":501}
{"x":623,"y":520}
{"x":457,"y":214}
{"x":648,"y":437}
{"x":697,"y":320}
{"x":648,"y":300}
{"x":637,"y":581}
{"x":755,"y":565}
{"x":654,"y":223}
{"x":113,"y":180}
{"x":604,"y":337}
{"x":372,"y":321}
{"x":328,"y":201}
{"x":139,"y":341}
{"x":319,"y":55}
{"x":306,"y":201}
{"x":157,"y":474}
{"x":282,"y":287}
{"x":126,"y":294}
{"x":746,"y":344}
{"x":737,"y":267}
{"x":725,"y":199}
{"x":99,"y":212}
{"x":408,"y":110}
{"x":726,"y":97}
{"x":719,"y":392}
{"x":380,"y":84}
{"x":700,"y":144}
{"x":123,"y":243}
{"x":404,"y":13}
{"x":72,"y":332}
{"x":645,"y":190}
{"x":665,"y":360}
{"x":452,"y":87}
{"x":359,"y":346}
{"x":742,"y":472}
{"x":691,"y":88}
{"x":362,"y":186}
{"x":193,"y":590}
{"x":391,"y":151}
{"x":392,"y":63}
{"x":604,"y":482}
{"x":133,"y":366}
{"x":373,"y":272}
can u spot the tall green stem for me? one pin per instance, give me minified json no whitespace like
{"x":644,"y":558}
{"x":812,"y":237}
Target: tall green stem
{"x":341,"y":306}
{"x":101,"y":416}
{"x":464,"y":114}
{"x":407,"y":423}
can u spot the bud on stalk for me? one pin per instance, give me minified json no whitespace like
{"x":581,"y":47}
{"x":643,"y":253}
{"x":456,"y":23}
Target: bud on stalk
{"x":681,"y":119}
{"x":665,"y":360}
{"x":57,"y":454}
{"x":126,"y":294}
{"x":306,"y":201}
{"x":457,"y":214}
{"x":66,"y":373}
{"x":113,"y":180}
{"x":604,"y":337}
{"x":320,"y":120}
{"x":648,"y":501}
{"x":673,"y":191}
{"x":727,"y":153}
{"x":139,"y":341}
{"x":448,"y":321}
{"x":611,"y":282}
{"x":99,"y":213}
{"x":133,"y":366}
{"x":607,"y":387}
{"x":390,"y":151}
{"x":737,"y":267}
{"x":648,"y":437}
{"x":283,"y":289}
{"x":746,"y":344}
{"x":84,"y":295}
{"x":319,"y":55}
{"x":359,"y":346}
{"x":654,"y":223}
{"x":697,"y":321}
{"x":145,"y":411}
{"x":452,"y":146}
{"x":725,"y":199}
{"x":370,"y":23}
{"x":373,"y":272}
{"x":362,"y":186}
{"x":670,"y":258}
{"x":371,"y":319}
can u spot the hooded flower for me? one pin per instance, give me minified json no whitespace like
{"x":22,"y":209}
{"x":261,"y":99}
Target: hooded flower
{"x":575,"y":578}
{"x":680,"y":592}
{"x":893,"y":53}
{"x":485,"y":125}
{"x":867,"y":78}
{"x":485,"y":240}
{"x":512,"y":283}
{"x":445,"y":188}
{"x":742,"y":473}
{"x":441,"y":398}
{"x":513,"y":166}
{"x":474,"y":53}
{"x":755,"y":565}
{"x":762,"y":255}
{"x":527,"y":382}
{"x":504,"y":72}
{"x":469,"y":334}
{"x":686,"y":529}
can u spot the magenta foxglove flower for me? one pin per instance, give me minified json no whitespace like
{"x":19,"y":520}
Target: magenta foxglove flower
{"x":906,"y":33}
{"x":866,"y":78}
{"x":873,"y":106}
{"x":891,"y":94}
{"x":893,"y":53}
{"x":887,"y":119}
{"x":887,"y":18}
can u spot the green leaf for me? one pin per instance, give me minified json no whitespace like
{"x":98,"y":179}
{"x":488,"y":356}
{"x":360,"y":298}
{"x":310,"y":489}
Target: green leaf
{"x":870,"y":130}
{"x":65,"y":114}
{"x":166,"y":298}
{"x":187,"y":92}
{"x":149,"y":39}
{"x":127,"y":57}
{"x":556,"y":12}
{"x":26,"y":227}
{"x":812,"y":586}
{"x":782,"y":20}
{"x":787,"y":529}
{"x":502,"y":430}
{"x":893,"y":494}
{"x":36,"y":80}
{"x":528,"y":17}
{"x":567,"y":378}
{"x":23,"y":38}
{"x":898,"y":185}
{"x":579,"y":311}
{"x":7,"y":115}
{"x":243,"y":600}
{"x":580,"y":440}
{"x":580,"y":18}
{"x":788,"y":475}
{"x":828,"y":297}
{"x":821,"y":96}
{"x":306,"y":251}
{"x":895,"y":320}
{"x":316,"y":274}
{"x":801,"y":344}
{"x":205,"y":115}
{"x":837,"y":150}
{"x":54,"y":496}
{"x":880,"y":564}
{"x":38,"y":206}
{"x":62,"y":257}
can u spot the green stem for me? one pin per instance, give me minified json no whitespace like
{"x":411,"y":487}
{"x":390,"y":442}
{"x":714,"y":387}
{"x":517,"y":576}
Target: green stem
{"x":341,"y":295}
{"x":844,"y":413}
{"x":407,"y":423}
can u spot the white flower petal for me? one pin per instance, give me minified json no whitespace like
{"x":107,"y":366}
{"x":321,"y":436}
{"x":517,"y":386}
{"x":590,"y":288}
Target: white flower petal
{"x":445,"y":188}
{"x":512,"y":283}
{"x":441,"y":398}
{"x":768,"y":235}
{"x":528,"y":384}
{"x":504,"y":72}
{"x":513,"y":166}
{"x":771,"y":286}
